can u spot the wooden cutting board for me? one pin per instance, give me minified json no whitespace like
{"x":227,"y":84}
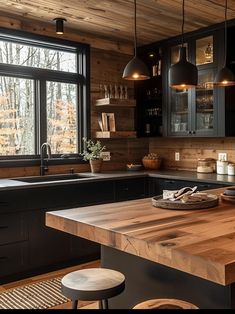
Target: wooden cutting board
{"x":158,"y":201}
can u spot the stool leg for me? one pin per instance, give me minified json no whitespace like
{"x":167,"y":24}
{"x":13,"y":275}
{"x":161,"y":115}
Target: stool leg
{"x":100,"y":305}
{"x":105,"y":304}
{"x":74,"y":304}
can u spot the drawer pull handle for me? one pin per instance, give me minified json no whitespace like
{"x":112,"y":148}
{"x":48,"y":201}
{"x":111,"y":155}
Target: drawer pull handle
{"x":4,"y":227}
{"x":126,"y":189}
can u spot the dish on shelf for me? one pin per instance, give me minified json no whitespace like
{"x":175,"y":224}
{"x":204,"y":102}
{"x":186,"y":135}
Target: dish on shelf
{"x":134,"y":167}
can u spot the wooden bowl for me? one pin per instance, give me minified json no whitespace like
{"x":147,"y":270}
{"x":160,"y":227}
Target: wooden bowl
{"x":151,"y":163}
{"x":229,"y":191}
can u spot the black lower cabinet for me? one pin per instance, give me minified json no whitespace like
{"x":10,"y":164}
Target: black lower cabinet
{"x":157,"y":185}
{"x":28,"y":247}
{"x":131,"y":189}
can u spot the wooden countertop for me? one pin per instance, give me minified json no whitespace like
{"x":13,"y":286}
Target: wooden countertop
{"x":199,"y":242}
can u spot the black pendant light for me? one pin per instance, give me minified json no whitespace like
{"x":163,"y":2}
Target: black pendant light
{"x":59,"y":24}
{"x":135,"y":69}
{"x":183,"y":74}
{"x":225,"y":76}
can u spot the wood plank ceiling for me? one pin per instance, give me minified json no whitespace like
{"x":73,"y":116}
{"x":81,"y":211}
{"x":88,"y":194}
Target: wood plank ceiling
{"x":113,"y":19}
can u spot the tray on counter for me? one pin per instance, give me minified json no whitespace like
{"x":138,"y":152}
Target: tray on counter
{"x":158,"y":201}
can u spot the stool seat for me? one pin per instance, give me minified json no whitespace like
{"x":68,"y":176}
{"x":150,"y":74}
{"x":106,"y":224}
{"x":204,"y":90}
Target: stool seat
{"x":165,"y":304}
{"x":92,"y":284}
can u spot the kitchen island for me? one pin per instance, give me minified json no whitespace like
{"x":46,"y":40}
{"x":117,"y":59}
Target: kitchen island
{"x":186,"y":254}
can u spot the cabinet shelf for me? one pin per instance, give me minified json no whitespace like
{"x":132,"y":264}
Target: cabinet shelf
{"x":115,"y":102}
{"x":116,"y":134}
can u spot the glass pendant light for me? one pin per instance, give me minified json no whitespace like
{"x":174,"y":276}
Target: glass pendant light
{"x":183,"y":74}
{"x":225,"y":76}
{"x":135,"y":69}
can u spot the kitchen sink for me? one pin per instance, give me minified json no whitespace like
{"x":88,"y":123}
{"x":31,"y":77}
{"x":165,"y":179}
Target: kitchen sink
{"x":56,"y":177}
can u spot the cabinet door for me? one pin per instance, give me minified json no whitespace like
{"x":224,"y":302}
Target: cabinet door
{"x":157,"y":185}
{"x":130,"y":189}
{"x":178,"y":103}
{"x":13,"y":258}
{"x":204,"y":122}
{"x":47,"y":245}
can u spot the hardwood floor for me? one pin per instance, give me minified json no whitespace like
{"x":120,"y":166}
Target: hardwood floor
{"x":54,"y":274}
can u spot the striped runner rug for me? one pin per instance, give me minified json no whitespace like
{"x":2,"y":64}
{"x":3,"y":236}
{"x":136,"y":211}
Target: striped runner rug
{"x":40,"y":295}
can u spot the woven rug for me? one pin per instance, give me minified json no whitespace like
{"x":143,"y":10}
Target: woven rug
{"x":40,"y":295}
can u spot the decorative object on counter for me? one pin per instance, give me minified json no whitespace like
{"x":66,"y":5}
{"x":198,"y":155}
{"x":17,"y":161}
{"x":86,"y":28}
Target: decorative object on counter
{"x":93,"y":154}
{"x":197,"y":200}
{"x":152,"y":161}
{"x":222,"y":167}
{"x":134,"y":167}
{"x":229,"y":191}
{"x":225,"y":76}
{"x":135,"y":69}
{"x":183,"y":74}
{"x":206,"y":165}
{"x":228,"y":195}
{"x":231,"y":169}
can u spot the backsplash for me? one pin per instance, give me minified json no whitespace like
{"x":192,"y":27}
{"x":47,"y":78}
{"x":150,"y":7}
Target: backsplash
{"x":190,"y":150}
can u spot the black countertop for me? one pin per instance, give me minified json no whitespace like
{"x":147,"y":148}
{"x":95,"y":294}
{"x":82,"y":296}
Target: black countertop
{"x":11,"y":183}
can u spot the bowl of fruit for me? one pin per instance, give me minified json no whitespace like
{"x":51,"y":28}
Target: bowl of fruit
{"x":152,"y":161}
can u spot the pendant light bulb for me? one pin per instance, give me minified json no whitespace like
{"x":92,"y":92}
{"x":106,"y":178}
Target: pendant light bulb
{"x":59,"y":22}
{"x":135,"y":69}
{"x":225,"y":76}
{"x":183,"y":74}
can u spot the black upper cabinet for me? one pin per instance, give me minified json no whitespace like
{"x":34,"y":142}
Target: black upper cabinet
{"x":149,"y":94}
{"x":204,"y":111}
{"x":230,"y":91}
{"x":194,"y":112}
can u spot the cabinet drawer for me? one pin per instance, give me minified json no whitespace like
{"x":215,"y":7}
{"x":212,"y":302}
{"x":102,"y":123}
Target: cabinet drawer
{"x":13,"y":228}
{"x":130,"y":189}
{"x":13,"y":258}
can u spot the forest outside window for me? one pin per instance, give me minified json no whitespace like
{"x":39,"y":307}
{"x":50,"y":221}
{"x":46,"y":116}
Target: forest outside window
{"x":43,"y":96}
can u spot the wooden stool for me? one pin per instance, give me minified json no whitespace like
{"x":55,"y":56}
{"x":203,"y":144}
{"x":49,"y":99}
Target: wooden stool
{"x":165,"y":304}
{"x":92,"y":284}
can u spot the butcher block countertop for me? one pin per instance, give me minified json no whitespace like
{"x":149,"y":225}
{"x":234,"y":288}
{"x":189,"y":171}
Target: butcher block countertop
{"x":199,"y":242}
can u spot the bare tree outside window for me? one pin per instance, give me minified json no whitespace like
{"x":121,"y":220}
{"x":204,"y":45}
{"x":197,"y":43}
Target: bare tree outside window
{"x":18,"y":101}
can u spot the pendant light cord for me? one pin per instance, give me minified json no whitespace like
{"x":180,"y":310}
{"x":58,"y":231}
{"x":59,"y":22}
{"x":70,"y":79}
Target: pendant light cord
{"x":225,"y":32}
{"x":135,"y":40}
{"x":182,"y":43}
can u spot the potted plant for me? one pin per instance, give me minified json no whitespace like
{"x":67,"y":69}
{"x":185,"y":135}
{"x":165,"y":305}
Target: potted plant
{"x":152,"y":161}
{"x":93,"y":154}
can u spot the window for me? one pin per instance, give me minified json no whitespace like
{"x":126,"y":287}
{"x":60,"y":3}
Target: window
{"x":44,"y":85}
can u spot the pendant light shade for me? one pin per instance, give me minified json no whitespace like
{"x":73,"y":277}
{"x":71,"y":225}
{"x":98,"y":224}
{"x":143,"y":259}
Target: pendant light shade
{"x":183,"y":74}
{"x":225,"y":76}
{"x":135,"y":69}
{"x":59,"y":22}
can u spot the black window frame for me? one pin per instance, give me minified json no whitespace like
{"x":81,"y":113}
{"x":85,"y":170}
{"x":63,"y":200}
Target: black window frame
{"x":40,"y":77}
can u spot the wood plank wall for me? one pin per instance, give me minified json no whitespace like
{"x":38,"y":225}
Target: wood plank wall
{"x":108,"y":59}
{"x":107,"y":62}
{"x":190,"y":150}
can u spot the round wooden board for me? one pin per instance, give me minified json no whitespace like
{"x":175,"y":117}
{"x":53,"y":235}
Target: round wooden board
{"x":227,"y":198}
{"x":158,"y":201}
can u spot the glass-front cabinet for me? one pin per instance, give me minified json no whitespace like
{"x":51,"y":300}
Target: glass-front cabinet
{"x":194,"y":112}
